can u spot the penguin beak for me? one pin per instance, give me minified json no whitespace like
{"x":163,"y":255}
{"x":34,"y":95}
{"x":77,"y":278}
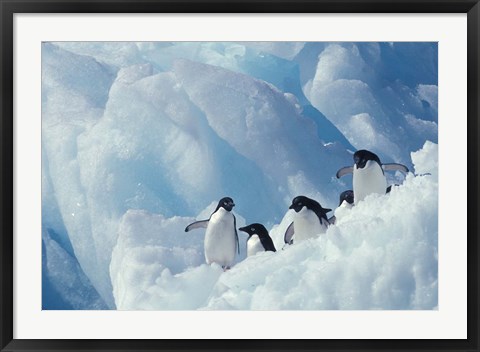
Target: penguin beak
{"x":357,"y":162}
{"x":291,"y":206}
{"x":244,"y":229}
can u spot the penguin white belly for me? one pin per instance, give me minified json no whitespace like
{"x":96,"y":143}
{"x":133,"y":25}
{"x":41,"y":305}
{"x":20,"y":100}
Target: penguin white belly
{"x":254,"y":245}
{"x":342,"y":209}
{"x":307,"y":225}
{"x":368,"y":180}
{"x":220,"y":241}
{"x":345,"y":205}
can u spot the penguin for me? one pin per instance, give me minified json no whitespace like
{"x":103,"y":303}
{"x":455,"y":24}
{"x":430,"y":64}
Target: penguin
{"x":368,"y":174}
{"x":258,"y":239}
{"x":309,"y":221}
{"x":221,"y":237}
{"x":346,"y":201}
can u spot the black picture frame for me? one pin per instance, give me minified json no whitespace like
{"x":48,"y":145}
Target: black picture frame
{"x":9,"y":7}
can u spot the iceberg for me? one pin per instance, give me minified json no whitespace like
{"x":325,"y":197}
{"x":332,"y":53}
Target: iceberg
{"x":140,"y":139}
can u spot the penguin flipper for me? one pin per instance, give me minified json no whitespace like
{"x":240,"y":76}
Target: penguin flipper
{"x":202,"y":224}
{"x":322,"y":214}
{"x":344,"y":171}
{"x":289,"y":234}
{"x":267,"y":243}
{"x":332,"y":220}
{"x":236,"y":233}
{"x":395,"y":167}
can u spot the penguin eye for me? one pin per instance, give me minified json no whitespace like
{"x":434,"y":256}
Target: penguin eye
{"x":300,"y":203}
{"x":252,"y":229}
{"x":224,"y":203}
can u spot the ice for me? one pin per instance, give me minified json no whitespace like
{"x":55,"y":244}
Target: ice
{"x":140,"y":139}
{"x":64,"y":284}
{"x":429,"y":95}
{"x":73,"y":100}
{"x":126,"y":53}
{"x":285,"y":50}
{"x":257,"y":120}
{"x":349,"y":87}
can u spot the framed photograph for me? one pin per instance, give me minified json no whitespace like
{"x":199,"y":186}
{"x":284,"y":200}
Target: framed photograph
{"x":279,"y":176}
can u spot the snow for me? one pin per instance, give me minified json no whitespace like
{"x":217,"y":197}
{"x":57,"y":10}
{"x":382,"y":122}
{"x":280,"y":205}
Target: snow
{"x":141,"y":139}
{"x":426,"y":159}
{"x":381,"y":254}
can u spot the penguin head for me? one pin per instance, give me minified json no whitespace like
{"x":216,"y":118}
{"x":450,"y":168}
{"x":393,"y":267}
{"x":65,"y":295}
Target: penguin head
{"x":226,"y":203}
{"x":347,"y":196}
{"x":301,"y":201}
{"x":362,"y":156}
{"x":255,"y":229}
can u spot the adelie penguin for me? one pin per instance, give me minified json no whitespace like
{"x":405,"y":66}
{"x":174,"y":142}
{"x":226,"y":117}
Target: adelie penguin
{"x":346,"y":199}
{"x":221,"y":237}
{"x":369,"y":174}
{"x":309,"y":221}
{"x":346,"y":202}
{"x":258,"y":239}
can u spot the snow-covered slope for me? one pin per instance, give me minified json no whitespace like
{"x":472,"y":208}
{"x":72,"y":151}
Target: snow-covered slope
{"x":381,"y":254}
{"x":139,"y":138}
